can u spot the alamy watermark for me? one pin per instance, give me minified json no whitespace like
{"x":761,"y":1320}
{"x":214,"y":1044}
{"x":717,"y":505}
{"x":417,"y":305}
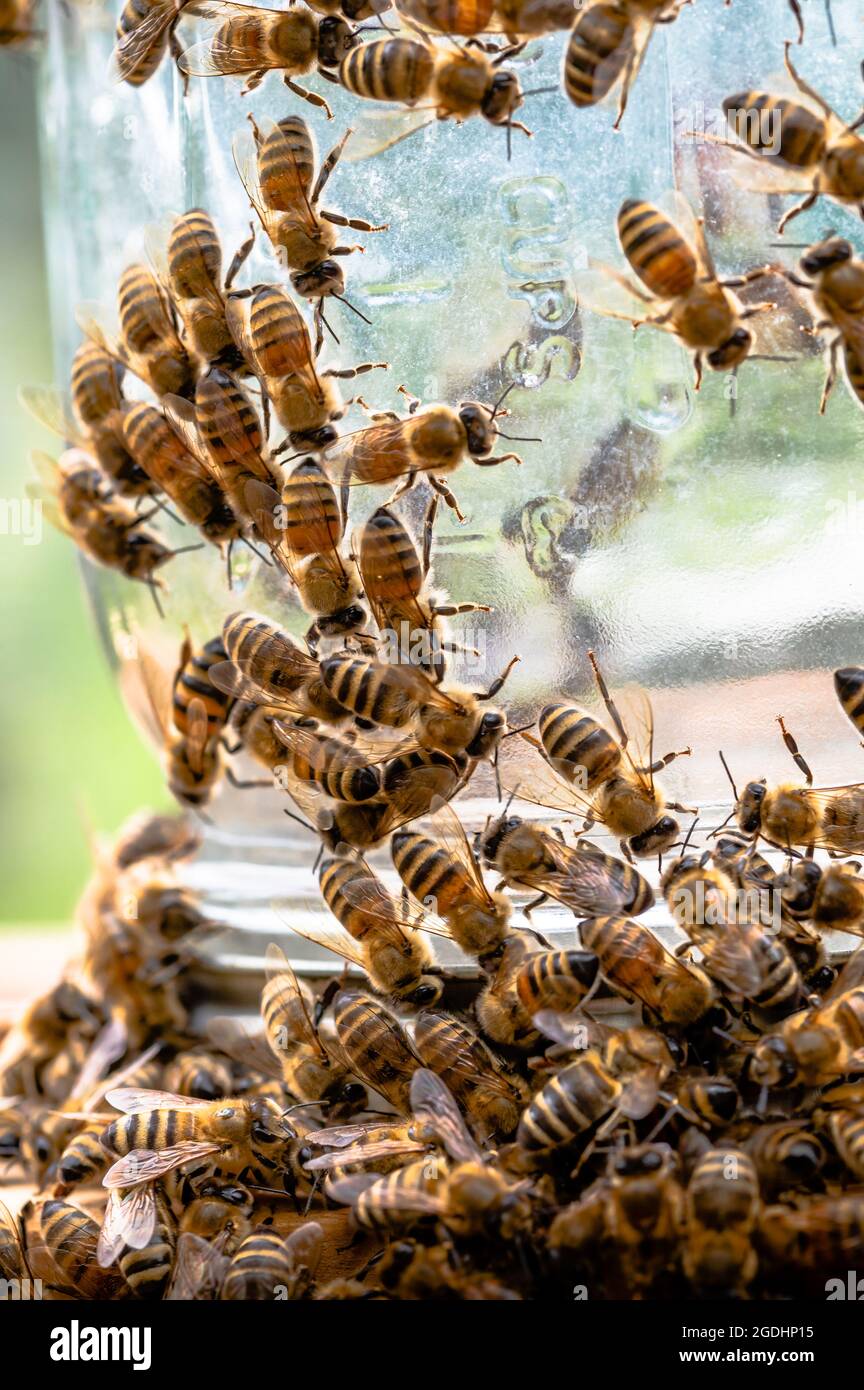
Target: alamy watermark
{"x":22,"y":517}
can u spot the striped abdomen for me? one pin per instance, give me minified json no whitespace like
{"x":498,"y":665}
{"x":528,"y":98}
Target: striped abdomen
{"x":333,"y":765}
{"x":165,"y":459}
{"x":230,"y":427}
{"x":398,"y":69}
{"x":568,"y":1105}
{"x":149,"y":1129}
{"x":777,"y":128}
{"x":95,"y":385}
{"x":463,"y":17}
{"x":277,"y":329}
{"x":311,"y":519}
{"x":571,"y":737}
{"x":377,"y":1048}
{"x":84,"y":1157}
{"x":70,"y":1237}
{"x":147,"y":1271}
{"x":133,"y":13}
{"x":389,"y":563}
{"x":372,"y":690}
{"x":556,"y":979}
{"x":656,"y":249}
{"x":286,"y":165}
{"x":344,"y":885}
{"x":854,"y":371}
{"x":377,"y":1209}
{"x":143,"y":317}
{"x":430,"y":872}
{"x":259,"y":1265}
{"x":847,"y":1134}
{"x":849,"y":685}
{"x":194,"y":255}
{"x":600,"y":45}
{"x":260,"y":649}
{"x":848,"y":1016}
{"x":193,"y":682}
{"x":723,"y":1192}
{"x":286,"y":1007}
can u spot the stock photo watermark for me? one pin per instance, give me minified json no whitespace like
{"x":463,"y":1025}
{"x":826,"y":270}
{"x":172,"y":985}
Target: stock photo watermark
{"x":21,"y":517}
{"x":760,"y":129}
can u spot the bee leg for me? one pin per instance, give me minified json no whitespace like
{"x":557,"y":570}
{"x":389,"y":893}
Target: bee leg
{"x":697,"y":371}
{"x":253,"y":80}
{"x":312,"y":97}
{"x":795,"y":7}
{"x":666,"y":760}
{"x":413,"y":401}
{"x":684,"y":810}
{"x":830,"y":375}
{"x":348,"y":373}
{"x":797,"y":210}
{"x":404,"y":486}
{"x":327,"y":168}
{"x":450,"y":610}
{"x":498,"y":681}
{"x":626,"y":851}
{"x":535,"y":902}
{"x":247,"y":786}
{"x":605,"y":696}
{"x":428,"y":525}
{"x":357,"y":224}
{"x":804,"y":86}
{"x":797,"y":757}
{"x":493,"y":462}
{"x":762,"y":307}
{"x":241,"y":255}
{"x":626,"y":82}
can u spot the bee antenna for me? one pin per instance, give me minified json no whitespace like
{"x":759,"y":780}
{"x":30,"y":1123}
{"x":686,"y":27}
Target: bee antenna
{"x":538,"y":91}
{"x":521,"y":438}
{"x":256,"y":551}
{"x":305,"y":1105}
{"x":332,"y":335}
{"x":521,"y":730}
{"x":352,"y":307}
{"x":509,"y":141}
{"x":299,"y":819}
{"x":185,"y":550}
{"x":502,"y":398}
{"x":693,"y":824}
{"x":154,"y":589}
{"x":728,"y":774}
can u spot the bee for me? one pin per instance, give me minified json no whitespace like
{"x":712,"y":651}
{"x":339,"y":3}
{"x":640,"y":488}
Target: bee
{"x":830,"y":897}
{"x":747,"y":960}
{"x":276,"y":344}
{"x":470,"y":17}
{"x":108,"y":531}
{"x":709,"y":1101}
{"x":376,"y":1047}
{"x":431,"y":440}
{"x":698,"y":894}
{"x":267,"y":1265}
{"x":817,"y":1237}
{"x":287,"y":1009}
{"x":586,"y":880}
{"x":455,"y":83}
{"x":411,"y":1270}
{"x":830,"y":818}
{"x":849,"y":688}
{"x":82,"y":1160}
{"x":835,"y":284}
{"x":248,"y":41}
{"x":608,"y":43}
{"x":492,"y":1097}
{"x":798,"y":147}
{"x":396,"y":959}
{"x":96,"y":422}
{"x":269,"y":667}
{"x":62,"y":1243}
{"x":722,"y":1209}
{"x":395,"y":580}
{"x":199,"y":1074}
{"x":635,"y":962}
{"x":145,"y":32}
{"x":467,"y":1195}
{"x":787,"y":1154}
{"x":558,"y":980}
{"x":277,"y":167}
{"x":182,"y":475}
{"x":148,"y":1270}
{"x":753,"y":875}
{"x":148,"y":343}
{"x":440,"y":870}
{"x":685,"y":296}
{"x":146,"y":835}
{"x":219,"y":1210}
{"x":819,"y":1044}
{"x":307,"y":515}
{"x":500,"y":1011}
{"x":609,"y":778}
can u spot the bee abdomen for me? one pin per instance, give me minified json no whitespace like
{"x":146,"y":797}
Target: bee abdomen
{"x":312,"y":522}
{"x":389,"y":556}
{"x":567,"y":1106}
{"x":286,"y":164}
{"x":600,"y":44}
{"x":258,"y":1266}
{"x":95,"y":388}
{"x":854,"y":371}
{"x":193,"y":683}
{"x":655,"y":249}
{"x":194,"y":255}
{"x":425,"y":869}
{"x":777,"y":128}
{"x":849,"y":685}
{"x":575,"y":738}
{"x":397,"y":69}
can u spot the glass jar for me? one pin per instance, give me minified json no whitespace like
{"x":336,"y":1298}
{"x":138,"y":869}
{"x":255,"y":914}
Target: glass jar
{"x":711,"y":556}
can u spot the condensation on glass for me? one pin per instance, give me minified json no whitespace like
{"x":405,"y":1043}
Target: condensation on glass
{"x":712,"y":557}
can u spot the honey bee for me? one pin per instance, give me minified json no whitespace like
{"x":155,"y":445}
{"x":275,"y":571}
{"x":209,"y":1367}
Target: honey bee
{"x":500,"y":1012}
{"x":829,"y":818}
{"x":557,"y":980}
{"x":148,"y":343}
{"x":389,"y":949}
{"x":722,"y":1208}
{"x":835,"y":284}
{"x":635,"y":962}
{"x":849,"y":688}
{"x":250,"y":42}
{"x":431,"y":440}
{"x":277,"y":167}
{"x":82,"y":1160}
{"x":268,"y":666}
{"x":455,"y":83}
{"x":586,"y":880}
{"x":62,"y":1243}
{"x":199,"y":1074}
{"x":107,"y":530}
{"x":817,"y":1237}
{"x":220,"y":1209}
{"x":376,"y":1047}
{"x":786,"y":1154}
{"x":304,"y":528}
{"x":685,"y":296}
{"x":708,"y":1101}
{"x":493,"y":1097}
{"x":819,"y":1044}
{"x":187,"y":256}
{"x":411,"y":1270}
{"x":517,"y":18}
{"x":830,"y":897}
{"x":799,"y":148}
{"x":395,"y":580}
{"x":287,"y":1009}
{"x":148,"y":1270}
{"x":275,"y":342}
{"x":610,"y":779}
{"x":440,"y":870}
{"x":267,"y":1265}
{"x":608,"y":43}
{"x":145,"y":32}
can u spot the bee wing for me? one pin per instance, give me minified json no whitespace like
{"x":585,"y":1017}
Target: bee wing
{"x":379,"y":130}
{"x":279,"y":969}
{"x":46,"y":469}
{"x":147,"y":688}
{"x":213,"y":57}
{"x":337,"y":941}
{"x":305,"y":1246}
{"x":433,"y":1103}
{"x":363,"y":1153}
{"x":230,"y":679}
{"x":391,"y":915}
{"x":580,"y":881}
{"x":145,"y":1165}
{"x":445,"y":826}
{"x":380,"y":452}
{"x":199,"y":1269}
{"x":109,"y":1045}
{"x":129,"y":1220}
{"x":825,"y":801}
{"x":640,"y":1094}
{"x":410,"y":1201}
{"x":728,"y":959}
{"x":293,"y":193}
{"x":197,"y":733}
{"x":637,"y":719}
{"x":180,"y":415}
{"x":263,"y":504}
{"x":540,"y":784}
{"x":253,"y":1049}
{"x":605,"y":291}
{"x":47,"y":406}
{"x":132,"y":1100}
{"x":133,"y":47}
{"x":573,"y":1030}
{"x":412,"y":799}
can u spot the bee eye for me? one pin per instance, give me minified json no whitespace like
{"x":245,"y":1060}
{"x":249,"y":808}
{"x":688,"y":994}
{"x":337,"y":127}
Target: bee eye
{"x":225,"y":1113}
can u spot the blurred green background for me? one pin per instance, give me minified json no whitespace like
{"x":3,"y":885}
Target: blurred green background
{"x":68,"y":755}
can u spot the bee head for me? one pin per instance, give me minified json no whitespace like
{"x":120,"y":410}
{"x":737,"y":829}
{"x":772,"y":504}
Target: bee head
{"x":750,"y":806}
{"x":347,"y":619}
{"x":825,"y":254}
{"x":489,"y":731}
{"x":335,"y":39}
{"x":503,"y":97}
{"x":659,"y":837}
{"x":732,"y":352}
{"x":798,"y":887}
{"x":325,"y":278}
{"x":479,"y":428}
{"x":489,"y":841}
{"x":772,"y":1063}
{"x":645,"y":1160}
{"x":428,"y":992}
